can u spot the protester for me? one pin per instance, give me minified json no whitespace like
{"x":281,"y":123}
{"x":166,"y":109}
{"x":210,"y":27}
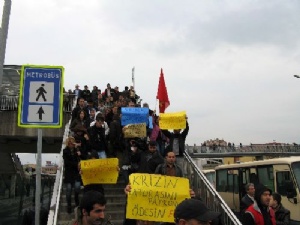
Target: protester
{"x":169,"y":167}
{"x":91,"y":210}
{"x":71,"y":156}
{"x":96,"y":134}
{"x":177,"y":139}
{"x":150,"y":159}
{"x":195,"y":212}
{"x":80,"y":106}
{"x":282,"y":215}
{"x":93,"y":187}
{"x":259,"y":213}
{"x":248,"y":199}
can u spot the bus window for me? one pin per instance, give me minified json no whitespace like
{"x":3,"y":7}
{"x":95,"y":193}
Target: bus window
{"x":221,"y":180}
{"x":265,"y":176}
{"x":246,"y":176}
{"x":296,"y":171}
{"x":230,"y":183}
{"x":236,"y":184}
{"x":253,"y":178}
{"x":281,"y":180}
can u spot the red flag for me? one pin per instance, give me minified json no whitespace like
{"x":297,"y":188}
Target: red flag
{"x":162,"y":94}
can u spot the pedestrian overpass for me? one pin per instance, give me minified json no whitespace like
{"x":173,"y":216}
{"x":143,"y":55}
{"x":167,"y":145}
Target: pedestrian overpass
{"x":16,"y":140}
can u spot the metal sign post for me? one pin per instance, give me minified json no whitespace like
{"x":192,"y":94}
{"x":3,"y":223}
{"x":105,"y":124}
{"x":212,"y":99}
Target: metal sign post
{"x":38,"y":171}
{"x":40,"y":106}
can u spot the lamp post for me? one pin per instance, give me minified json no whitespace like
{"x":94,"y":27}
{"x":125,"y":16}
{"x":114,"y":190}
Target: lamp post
{"x":3,"y":35}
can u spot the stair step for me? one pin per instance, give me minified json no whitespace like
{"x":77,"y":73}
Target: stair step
{"x":115,"y":207}
{"x":114,"y":222}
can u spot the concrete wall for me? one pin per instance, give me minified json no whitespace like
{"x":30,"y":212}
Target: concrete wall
{"x":16,"y":139}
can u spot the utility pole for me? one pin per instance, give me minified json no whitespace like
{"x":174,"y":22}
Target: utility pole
{"x":3,"y":36}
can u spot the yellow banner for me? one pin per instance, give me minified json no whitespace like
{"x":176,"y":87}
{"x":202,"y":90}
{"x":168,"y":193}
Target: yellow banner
{"x":172,"y":121}
{"x":99,"y":171}
{"x":154,"y":197}
{"x":135,"y":130}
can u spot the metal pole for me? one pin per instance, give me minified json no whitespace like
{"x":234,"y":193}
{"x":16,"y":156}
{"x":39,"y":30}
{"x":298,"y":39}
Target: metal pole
{"x":133,"y":79}
{"x":38,"y":177}
{"x":3,"y":36}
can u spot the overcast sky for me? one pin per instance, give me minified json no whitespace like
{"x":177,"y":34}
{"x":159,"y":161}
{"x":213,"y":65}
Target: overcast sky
{"x":228,"y":64}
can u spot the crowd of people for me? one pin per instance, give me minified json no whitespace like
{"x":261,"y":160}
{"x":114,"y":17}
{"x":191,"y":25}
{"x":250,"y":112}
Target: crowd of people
{"x":96,"y":132}
{"x":261,"y":206}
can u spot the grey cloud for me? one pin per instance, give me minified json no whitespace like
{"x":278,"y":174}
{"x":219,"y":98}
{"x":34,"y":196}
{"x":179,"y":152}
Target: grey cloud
{"x":275,"y":23}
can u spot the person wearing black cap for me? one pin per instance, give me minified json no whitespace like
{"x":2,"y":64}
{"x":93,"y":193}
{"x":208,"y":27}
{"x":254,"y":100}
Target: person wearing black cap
{"x":194,"y":212}
{"x":259,"y":213}
{"x":282,"y":215}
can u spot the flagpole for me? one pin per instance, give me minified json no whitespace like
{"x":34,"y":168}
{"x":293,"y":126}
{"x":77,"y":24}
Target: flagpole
{"x":133,"y":81}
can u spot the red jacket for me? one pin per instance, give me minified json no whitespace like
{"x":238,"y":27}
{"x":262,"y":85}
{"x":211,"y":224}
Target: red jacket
{"x":257,"y":215}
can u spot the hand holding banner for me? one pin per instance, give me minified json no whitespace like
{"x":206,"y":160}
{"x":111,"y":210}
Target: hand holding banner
{"x":99,"y":171}
{"x":172,"y":121}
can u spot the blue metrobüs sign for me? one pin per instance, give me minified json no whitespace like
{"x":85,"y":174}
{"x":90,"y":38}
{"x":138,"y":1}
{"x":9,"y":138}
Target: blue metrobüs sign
{"x":41,"y":96}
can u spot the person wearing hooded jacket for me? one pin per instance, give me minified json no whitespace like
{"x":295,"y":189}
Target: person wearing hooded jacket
{"x":282,"y":215}
{"x":259,"y":213}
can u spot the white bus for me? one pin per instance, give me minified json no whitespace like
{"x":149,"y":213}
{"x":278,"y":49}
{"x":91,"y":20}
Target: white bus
{"x":281,"y":175}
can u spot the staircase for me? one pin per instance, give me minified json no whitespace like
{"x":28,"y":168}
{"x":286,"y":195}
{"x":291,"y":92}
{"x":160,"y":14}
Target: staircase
{"x":115,"y":206}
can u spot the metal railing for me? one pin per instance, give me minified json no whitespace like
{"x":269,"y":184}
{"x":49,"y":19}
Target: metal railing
{"x":10,"y":102}
{"x":277,"y":149}
{"x":54,"y":205}
{"x":203,"y":188}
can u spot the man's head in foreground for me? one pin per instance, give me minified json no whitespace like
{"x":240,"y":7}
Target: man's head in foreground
{"x":92,"y":208}
{"x":194,"y":212}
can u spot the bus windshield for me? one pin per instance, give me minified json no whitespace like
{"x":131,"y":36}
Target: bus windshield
{"x":296,"y":170}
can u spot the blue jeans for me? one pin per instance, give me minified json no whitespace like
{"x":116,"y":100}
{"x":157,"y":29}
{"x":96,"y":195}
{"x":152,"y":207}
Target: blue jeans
{"x":76,"y":186}
{"x":102,"y":155}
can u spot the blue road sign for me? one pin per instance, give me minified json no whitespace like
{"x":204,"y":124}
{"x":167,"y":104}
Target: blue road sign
{"x":41,"y":96}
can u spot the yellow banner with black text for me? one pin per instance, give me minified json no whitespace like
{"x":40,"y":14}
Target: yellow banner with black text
{"x":154,"y":197}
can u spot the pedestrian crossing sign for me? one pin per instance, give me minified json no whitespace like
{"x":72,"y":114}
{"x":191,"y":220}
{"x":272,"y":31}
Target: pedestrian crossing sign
{"x":41,"y":96}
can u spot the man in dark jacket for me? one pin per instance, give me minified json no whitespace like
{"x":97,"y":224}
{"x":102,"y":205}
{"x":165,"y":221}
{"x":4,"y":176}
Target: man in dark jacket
{"x":149,"y":160}
{"x":115,"y":134}
{"x":248,"y":199}
{"x":169,"y":167}
{"x":80,"y":106}
{"x":260,"y":213}
{"x":71,"y":156}
{"x":96,"y":136}
{"x":282,"y":215}
{"x":77,"y":92}
{"x":177,"y":139}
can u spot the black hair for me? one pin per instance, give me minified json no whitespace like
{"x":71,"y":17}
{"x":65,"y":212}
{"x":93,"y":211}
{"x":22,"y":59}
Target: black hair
{"x":90,"y":198}
{"x":100,"y":117}
{"x":78,"y":114}
{"x":277,"y":197}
